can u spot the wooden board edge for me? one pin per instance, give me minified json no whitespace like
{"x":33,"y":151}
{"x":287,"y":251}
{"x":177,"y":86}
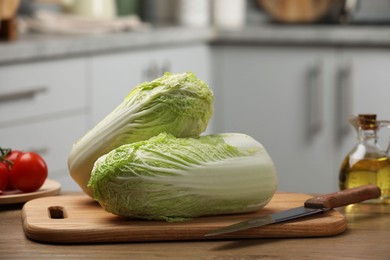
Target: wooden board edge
{"x":66,"y":236}
{"x":49,"y":188}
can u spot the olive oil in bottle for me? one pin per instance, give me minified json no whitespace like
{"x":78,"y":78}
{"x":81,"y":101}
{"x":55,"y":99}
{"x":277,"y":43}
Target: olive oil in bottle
{"x":366,"y":171}
{"x":367,"y":163}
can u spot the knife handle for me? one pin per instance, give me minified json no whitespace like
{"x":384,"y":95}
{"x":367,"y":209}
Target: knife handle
{"x":344,"y":197}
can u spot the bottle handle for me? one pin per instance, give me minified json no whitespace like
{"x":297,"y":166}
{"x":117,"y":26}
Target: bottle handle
{"x":385,"y":123}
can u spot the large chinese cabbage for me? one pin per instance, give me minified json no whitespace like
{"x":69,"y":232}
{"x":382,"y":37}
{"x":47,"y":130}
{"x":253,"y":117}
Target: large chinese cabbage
{"x":169,"y":178}
{"x":179,"y":104}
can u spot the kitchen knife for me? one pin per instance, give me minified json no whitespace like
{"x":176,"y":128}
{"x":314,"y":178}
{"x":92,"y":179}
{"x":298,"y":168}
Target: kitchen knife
{"x":311,"y":206}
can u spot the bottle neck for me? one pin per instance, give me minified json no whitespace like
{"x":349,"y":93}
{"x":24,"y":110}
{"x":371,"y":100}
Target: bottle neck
{"x":367,"y":136}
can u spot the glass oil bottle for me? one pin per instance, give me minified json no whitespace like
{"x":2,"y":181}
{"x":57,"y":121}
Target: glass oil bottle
{"x":367,"y":163}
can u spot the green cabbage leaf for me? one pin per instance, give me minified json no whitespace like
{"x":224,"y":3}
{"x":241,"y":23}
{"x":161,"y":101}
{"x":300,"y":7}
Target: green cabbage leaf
{"x":179,"y":104}
{"x":172,"y":179}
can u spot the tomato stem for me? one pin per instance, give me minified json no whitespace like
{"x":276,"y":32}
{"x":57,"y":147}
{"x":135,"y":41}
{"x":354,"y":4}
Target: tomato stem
{"x":4,"y":153}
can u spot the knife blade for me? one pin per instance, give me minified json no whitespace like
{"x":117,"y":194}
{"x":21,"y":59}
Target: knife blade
{"x":311,"y":206}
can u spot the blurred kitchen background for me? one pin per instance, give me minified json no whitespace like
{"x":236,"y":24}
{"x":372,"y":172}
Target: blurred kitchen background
{"x":289,"y":73}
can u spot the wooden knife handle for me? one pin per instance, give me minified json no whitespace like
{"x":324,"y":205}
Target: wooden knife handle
{"x":344,"y":197}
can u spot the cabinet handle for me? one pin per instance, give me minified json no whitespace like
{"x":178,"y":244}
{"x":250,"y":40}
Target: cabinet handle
{"x":154,"y":70}
{"x":22,"y":93}
{"x":315,"y":100}
{"x":344,"y":100}
{"x":166,"y":67}
{"x":151,"y":72}
{"x":39,"y":150}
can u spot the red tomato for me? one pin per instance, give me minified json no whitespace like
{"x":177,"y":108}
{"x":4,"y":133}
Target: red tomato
{"x":11,"y":157}
{"x":29,"y":172}
{"x":3,"y":176}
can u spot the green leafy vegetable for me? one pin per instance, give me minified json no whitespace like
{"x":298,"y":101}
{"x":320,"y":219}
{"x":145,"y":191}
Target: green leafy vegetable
{"x":169,"y":178}
{"x":179,"y":104}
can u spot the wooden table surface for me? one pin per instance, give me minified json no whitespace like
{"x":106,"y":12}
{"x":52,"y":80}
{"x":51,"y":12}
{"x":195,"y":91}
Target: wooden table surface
{"x":367,"y":237}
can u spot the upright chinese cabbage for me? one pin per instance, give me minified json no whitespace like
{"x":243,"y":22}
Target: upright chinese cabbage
{"x":169,"y":178}
{"x":179,"y":104}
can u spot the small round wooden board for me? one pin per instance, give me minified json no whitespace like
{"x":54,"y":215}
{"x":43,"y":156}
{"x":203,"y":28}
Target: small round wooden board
{"x":49,"y":188}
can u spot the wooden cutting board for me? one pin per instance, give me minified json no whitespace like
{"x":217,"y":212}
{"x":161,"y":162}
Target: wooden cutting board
{"x":79,"y":219}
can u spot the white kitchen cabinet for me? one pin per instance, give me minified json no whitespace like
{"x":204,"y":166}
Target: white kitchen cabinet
{"x":365,"y":79}
{"x":41,"y":89}
{"x":114,"y":75}
{"x":43,"y":109}
{"x":280,"y":96}
{"x":297,"y":101}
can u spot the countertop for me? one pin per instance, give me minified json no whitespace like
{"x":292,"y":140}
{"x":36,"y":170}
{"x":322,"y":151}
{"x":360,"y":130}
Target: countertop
{"x":367,"y":237}
{"x":31,"y":47}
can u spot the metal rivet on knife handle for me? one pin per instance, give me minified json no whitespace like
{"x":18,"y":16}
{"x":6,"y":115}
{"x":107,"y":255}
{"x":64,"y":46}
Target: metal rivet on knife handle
{"x":344,"y":197}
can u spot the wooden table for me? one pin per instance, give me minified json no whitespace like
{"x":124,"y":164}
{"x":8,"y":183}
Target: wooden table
{"x":367,"y":237}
